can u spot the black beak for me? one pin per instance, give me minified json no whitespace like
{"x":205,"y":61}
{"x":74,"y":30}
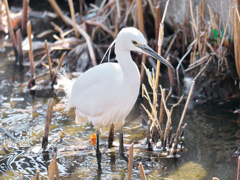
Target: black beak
{"x":146,"y":49}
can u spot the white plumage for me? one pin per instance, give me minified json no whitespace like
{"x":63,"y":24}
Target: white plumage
{"x":106,"y":93}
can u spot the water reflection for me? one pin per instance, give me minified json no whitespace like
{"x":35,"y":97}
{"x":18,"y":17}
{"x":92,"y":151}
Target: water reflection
{"x":212,"y":137}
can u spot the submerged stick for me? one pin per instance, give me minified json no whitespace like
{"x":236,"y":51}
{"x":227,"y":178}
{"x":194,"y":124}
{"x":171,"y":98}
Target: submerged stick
{"x":10,"y":29}
{"x":111,"y":136}
{"x":24,"y":17}
{"x":47,"y":124}
{"x":19,"y":48}
{"x":130,"y":162}
{"x":141,"y":169}
{"x":70,"y":2}
{"x":29,"y":32}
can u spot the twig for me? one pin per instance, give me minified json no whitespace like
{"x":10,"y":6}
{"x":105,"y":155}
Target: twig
{"x":170,"y":73}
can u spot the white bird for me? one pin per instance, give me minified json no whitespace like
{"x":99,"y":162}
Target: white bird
{"x":106,"y":93}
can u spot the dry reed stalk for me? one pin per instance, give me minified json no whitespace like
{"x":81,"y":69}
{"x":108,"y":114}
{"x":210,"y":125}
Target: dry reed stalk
{"x":169,"y":114}
{"x":54,"y":162}
{"x":69,"y":21}
{"x":61,"y":60}
{"x":47,"y":124}
{"x":210,"y":58}
{"x":158,"y":19}
{"x":51,"y":172}
{"x":170,"y":45}
{"x":152,"y":8}
{"x":141,"y":169}
{"x":31,"y":177}
{"x":102,"y":26}
{"x":70,"y":2}
{"x":19,"y":48}
{"x":37,"y":174}
{"x":24,"y":17}
{"x":174,"y":148}
{"x":10,"y":28}
{"x":204,"y":42}
{"x":197,"y":42}
{"x":29,"y":32}
{"x":130,"y":162}
{"x":238,"y":169}
{"x":237,"y":36}
{"x":162,"y":111}
{"x":160,"y":41}
{"x":193,"y":20}
{"x":202,"y":13}
{"x":170,"y":73}
{"x":141,"y":28}
{"x":58,"y":11}
{"x":49,"y":59}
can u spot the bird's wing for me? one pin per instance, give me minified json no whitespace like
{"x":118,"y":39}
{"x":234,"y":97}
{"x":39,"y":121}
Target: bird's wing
{"x":96,"y":91}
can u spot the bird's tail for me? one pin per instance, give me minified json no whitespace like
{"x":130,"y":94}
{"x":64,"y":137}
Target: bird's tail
{"x":67,"y":85}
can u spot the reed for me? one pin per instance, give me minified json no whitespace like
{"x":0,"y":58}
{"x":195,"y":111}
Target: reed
{"x":10,"y":29}
{"x":130,"y":162}
{"x":29,"y":32}
{"x":37,"y":174}
{"x":174,"y":149}
{"x":70,"y":2}
{"x":24,"y":17}
{"x":141,"y":28}
{"x":237,"y":36}
{"x":61,"y":60}
{"x":141,"y":169}
{"x":49,"y":59}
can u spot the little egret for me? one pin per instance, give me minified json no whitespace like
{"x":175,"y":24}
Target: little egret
{"x":106,"y":93}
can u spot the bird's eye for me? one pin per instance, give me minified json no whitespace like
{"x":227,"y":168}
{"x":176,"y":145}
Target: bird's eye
{"x":134,"y":42}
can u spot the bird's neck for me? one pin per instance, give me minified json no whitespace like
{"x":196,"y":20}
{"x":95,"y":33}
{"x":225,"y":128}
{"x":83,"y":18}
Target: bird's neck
{"x":128,"y":66}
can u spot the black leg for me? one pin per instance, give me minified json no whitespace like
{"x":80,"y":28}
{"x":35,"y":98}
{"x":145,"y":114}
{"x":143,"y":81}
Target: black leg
{"x":121,"y":148}
{"x":98,"y":153}
{"x":111,"y":136}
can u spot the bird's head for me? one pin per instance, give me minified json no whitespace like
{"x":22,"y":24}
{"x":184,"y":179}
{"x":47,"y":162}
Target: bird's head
{"x":133,"y":40}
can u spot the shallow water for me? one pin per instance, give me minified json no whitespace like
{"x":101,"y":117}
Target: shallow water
{"x":211,"y":137}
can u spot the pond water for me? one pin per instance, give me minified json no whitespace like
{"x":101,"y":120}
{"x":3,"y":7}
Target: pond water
{"x":211,"y":137}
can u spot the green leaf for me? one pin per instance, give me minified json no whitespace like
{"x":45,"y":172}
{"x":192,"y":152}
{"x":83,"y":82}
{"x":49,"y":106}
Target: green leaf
{"x":222,"y":33}
{"x":215,"y":33}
